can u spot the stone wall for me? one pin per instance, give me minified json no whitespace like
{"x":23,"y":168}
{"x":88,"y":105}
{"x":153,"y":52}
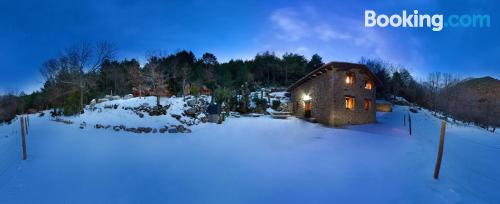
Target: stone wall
{"x":320,"y":90}
{"x":343,"y":116}
{"x":328,"y":93}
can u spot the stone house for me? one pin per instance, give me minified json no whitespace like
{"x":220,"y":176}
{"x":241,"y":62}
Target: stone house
{"x":338,"y":93}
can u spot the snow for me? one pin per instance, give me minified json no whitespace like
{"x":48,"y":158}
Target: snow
{"x":252,"y":160}
{"x":120,"y":116}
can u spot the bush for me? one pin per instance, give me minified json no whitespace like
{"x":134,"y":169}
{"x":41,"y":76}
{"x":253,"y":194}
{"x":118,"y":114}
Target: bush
{"x":72,"y":104}
{"x":195,"y":90}
{"x":276,"y":105}
{"x":260,"y":104}
{"x":8,"y":108}
{"x":55,"y":112}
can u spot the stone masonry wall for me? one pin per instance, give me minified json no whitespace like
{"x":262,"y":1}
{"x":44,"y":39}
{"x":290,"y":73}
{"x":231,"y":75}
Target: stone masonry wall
{"x":328,"y":93}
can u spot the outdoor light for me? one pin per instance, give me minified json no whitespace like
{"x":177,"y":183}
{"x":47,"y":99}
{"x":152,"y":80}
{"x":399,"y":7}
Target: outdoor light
{"x":306,"y":97}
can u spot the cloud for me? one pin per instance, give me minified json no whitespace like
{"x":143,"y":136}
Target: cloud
{"x":296,"y":24}
{"x":308,"y":30}
{"x":292,"y":28}
{"x":327,"y":33}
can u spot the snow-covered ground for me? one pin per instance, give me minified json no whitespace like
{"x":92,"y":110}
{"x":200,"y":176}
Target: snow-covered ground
{"x":120,"y":116}
{"x":253,"y":160}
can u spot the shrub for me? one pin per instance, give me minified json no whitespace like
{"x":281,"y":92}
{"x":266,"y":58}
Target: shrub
{"x":276,"y":105}
{"x":260,"y":104}
{"x":72,"y":104}
{"x":8,"y":108}
{"x":195,"y":90}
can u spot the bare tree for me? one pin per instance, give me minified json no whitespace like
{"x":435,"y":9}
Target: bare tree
{"x":157,"y":79}
{"x":136,"y":78}
{"x":87,"y":58}
{"x":73,"y":67}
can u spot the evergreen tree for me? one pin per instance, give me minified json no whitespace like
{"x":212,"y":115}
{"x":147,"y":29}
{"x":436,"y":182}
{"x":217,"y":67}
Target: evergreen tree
{"x":315,"y":62}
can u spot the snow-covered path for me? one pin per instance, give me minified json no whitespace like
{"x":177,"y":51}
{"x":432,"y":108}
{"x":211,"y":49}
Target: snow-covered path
{"x":257,"y":160}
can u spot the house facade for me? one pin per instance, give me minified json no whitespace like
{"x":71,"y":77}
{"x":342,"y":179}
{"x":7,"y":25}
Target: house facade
{"x":336,"y":94}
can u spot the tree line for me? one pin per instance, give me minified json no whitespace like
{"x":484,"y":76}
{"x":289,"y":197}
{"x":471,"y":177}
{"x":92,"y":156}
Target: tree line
{"x":89,"y":71}
{"x":453,"y":97}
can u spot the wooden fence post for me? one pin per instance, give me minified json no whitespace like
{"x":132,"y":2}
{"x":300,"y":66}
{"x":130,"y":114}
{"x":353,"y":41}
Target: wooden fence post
{"x":440,"y":150}
{"x":26,"y":124}
{"x":23,"y":139}
{"x":409,"y":122}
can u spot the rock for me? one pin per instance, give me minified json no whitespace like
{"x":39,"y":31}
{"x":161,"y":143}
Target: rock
{"x":131,"y":130}
{"x":128,"y":96}
{"x":204,"y":119}
{"x":141,"y":115}
{"x":93,"y":102}
{"x":180,"y":128}
{"x":158,"y":110}
{"x":67,"y":122}
{"x":99,"y":126}
{"x":118,"y":127}
{"x":144,"y":129}
{"x":191,"y":102}
{"x":177,"y":117}
{"x":83,"y":125}
{"x":163,"y":130}
{"x":172,"y":130}
{"x":202,"y":101}
{"x":191,"y":112}
{"x":112,"y":98}
{"x":155,"y":130}
{"x":101,"y":100}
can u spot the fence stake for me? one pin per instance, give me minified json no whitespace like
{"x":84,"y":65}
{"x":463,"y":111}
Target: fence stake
{"x":23,"y":139}
{"x":440,"y":150}
{"x":26,"y":124}
{"x":409,"y":122}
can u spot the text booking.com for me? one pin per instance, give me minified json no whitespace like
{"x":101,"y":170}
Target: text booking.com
{"x":437,"y":22}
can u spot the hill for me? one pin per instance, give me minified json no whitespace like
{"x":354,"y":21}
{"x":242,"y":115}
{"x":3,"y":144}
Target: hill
{"x":482,"y":86}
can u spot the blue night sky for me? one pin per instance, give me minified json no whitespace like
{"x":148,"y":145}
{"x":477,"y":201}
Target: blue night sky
{"x":33,"y":31}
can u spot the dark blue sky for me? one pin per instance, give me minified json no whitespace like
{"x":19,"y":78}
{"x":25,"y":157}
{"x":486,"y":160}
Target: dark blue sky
{"x":33,"y":31}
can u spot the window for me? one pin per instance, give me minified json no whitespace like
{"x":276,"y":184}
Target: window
{"x":368,"y":104}
{"x":349,"y":103}
{"x":368,"y":85}
{"x":349,"y":79}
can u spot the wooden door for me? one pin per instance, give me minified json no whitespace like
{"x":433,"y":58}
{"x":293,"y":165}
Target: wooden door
{"x":307,"y":109}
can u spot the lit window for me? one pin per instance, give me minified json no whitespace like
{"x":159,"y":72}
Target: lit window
{"x":368,"y":103}
{"x":349,"y":102}
{"x":368,"y":85}
{"x":349,"y":79}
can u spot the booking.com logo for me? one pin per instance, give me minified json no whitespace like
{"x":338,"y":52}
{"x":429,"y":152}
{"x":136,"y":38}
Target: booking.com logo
{"x":416,"y":20}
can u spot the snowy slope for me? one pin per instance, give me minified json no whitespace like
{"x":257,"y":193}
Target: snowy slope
{"x":256,"y":160}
